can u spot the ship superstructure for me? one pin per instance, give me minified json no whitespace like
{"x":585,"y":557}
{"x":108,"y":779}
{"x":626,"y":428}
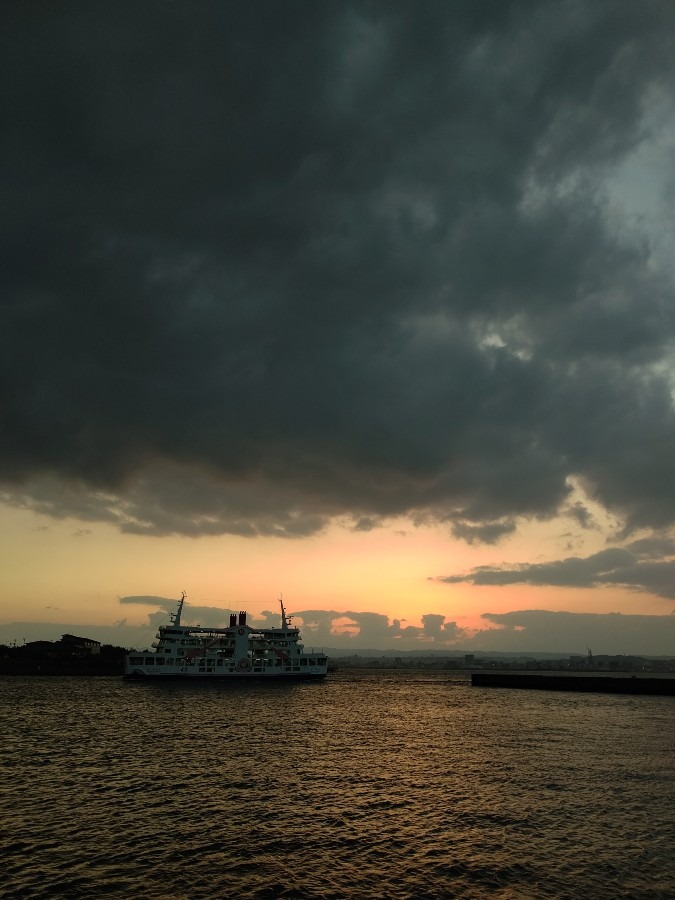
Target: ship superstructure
{"x":238,"y":651}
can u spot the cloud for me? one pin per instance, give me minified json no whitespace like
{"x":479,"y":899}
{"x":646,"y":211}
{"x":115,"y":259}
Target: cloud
{"x":150,"y":600}
{"x":521,"y":631}
{"x":609,"y":633}
{"x":192,"y":614}
{"x":581,"y":514}
{"x":487,"y":533}
{"x":267,"y":268}
{"x":646,"y":565}
{"x":319,"y":626}
{"x":375,"y":630}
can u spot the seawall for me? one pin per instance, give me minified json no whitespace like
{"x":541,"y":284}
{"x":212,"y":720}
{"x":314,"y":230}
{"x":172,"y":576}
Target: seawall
{"x":592,"y":683}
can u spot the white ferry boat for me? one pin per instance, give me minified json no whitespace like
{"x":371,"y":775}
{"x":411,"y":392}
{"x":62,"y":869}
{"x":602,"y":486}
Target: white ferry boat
{"x":239,"y":651}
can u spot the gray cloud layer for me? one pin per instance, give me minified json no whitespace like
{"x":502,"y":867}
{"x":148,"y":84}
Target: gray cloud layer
{"x":520,"y":631}
{"x":611,"y":633}
{"x":269,"y":264}
{"x":643,"y":565}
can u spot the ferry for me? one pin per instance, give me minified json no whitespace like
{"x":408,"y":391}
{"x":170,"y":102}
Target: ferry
{"x":237,"y":652}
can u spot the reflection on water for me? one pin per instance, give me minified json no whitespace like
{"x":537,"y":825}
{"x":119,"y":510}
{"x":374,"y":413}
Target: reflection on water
{"x":366,"y":785}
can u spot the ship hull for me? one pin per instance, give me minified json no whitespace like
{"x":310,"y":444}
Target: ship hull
{"x":178,"y":676}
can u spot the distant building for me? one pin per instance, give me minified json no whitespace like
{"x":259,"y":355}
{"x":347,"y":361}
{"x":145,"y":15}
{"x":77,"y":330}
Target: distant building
{"x":80,"y":646}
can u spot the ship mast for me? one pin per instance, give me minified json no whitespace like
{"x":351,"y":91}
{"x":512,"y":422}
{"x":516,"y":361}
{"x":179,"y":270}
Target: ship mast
{"x":175,"y":617}
{"x":284,"y":621}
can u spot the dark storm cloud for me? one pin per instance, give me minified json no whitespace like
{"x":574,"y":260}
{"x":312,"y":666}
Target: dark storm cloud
{"x":644,"y":565}
{"x":268,"y":264}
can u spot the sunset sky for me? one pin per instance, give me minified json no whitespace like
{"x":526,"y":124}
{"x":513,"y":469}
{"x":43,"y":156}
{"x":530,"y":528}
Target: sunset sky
{"x":369,"y":304}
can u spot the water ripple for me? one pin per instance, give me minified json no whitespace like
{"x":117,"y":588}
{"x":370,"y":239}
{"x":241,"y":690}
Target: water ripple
{"x":371,"y":786}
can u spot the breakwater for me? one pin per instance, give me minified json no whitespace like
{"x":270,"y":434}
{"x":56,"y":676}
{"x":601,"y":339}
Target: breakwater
{"x":588,"y":683}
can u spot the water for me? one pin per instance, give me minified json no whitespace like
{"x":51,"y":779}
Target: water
{"x":366,"y":785}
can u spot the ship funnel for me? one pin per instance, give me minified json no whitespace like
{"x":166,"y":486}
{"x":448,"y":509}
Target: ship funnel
{"x":242,"y":618}
{"x":233,"y":620}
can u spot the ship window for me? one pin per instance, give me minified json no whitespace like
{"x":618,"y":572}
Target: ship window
{"x":303,"y":662}
{"x":219,"y":662}
{"x":169,"y":662}
{"x":136,"y":660}
{"x":159,"y":661}
{"x":149,"y":660}
{"x":312,"y":662}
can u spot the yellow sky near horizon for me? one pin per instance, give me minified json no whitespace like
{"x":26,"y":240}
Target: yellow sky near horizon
{"x":69,"y":571}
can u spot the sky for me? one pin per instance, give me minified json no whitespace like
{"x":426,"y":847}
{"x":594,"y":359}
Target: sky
{"x":365,"y":304}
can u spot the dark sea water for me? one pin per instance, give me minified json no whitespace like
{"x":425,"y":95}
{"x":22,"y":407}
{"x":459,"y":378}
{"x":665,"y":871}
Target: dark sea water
{"x":366,"y":785}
